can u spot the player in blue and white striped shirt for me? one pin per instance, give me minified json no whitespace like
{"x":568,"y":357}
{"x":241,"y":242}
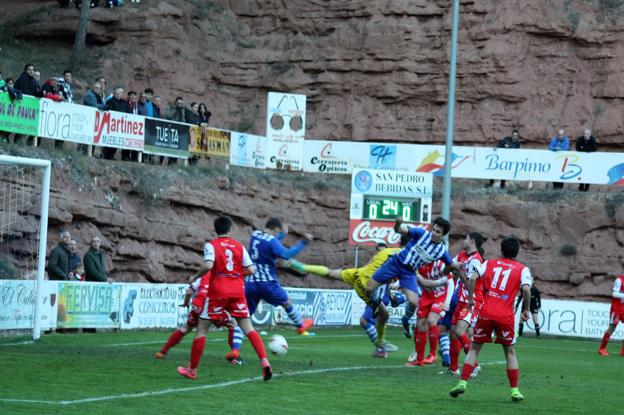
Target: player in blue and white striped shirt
{"x":423,"y":248}
{"x":265,"y":248}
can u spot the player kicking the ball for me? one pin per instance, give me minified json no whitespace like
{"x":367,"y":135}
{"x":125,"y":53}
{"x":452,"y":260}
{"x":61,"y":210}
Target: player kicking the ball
{"x":615,"y":316}
{"x":229,"y":261}
{"x":502,"y":278}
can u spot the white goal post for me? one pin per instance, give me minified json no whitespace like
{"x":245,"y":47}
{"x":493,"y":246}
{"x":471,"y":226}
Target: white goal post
{"x":46,"y":165}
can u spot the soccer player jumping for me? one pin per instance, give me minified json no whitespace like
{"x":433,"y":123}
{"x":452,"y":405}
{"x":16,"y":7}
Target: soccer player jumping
{"x":615,"y":316}
{"x":502,"y":278}
{"x":229,"y":261}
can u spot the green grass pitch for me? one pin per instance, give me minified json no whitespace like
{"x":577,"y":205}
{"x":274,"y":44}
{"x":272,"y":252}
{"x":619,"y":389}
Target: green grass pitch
{"x":330,"y":373}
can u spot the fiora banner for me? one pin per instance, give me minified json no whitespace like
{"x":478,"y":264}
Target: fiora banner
{"x":166,"y":138}
{"x":67,"y":122}
{"x":21,"y":117}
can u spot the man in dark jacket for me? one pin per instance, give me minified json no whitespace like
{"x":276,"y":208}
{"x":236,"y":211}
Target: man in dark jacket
{"x":26,"y":82}
{"x":586,"y":143}
{"x":93,"y":97}
{"x":59,"y":263}
{"x":115,"y":103}
{"x":95,"y":269}
{"x":512,"y":141}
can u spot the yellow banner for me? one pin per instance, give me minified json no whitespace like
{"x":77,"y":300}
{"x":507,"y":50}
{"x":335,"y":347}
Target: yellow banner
{"x":209,"y":142}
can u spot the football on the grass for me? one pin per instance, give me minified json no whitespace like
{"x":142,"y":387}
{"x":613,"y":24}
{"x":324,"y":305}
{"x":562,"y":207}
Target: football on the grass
{"x":278,"y":344}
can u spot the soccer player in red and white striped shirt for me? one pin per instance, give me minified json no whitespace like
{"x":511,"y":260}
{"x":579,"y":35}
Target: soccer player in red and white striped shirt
{"x":502,"y":278}
{"x":616,"y":315}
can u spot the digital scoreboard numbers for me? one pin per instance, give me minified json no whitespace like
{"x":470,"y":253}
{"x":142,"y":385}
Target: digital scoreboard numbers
{"x":386,"y":208}
{"x":379,"y":197}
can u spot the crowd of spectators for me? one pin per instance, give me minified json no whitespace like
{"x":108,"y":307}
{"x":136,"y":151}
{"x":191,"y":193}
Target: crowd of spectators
{"x":65,"y":263}
{"x":561,"y":142}
{"x":146,"y":103}
{"x":96,"y":3}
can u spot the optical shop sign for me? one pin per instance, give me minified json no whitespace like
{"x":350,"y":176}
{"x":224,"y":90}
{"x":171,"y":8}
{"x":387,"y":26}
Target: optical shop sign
{"x":285,"y":130}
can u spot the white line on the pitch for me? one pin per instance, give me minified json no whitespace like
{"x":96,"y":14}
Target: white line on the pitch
{"x":220,"y":340}
{"x":17,"y":343}
{"x":210,"y":386}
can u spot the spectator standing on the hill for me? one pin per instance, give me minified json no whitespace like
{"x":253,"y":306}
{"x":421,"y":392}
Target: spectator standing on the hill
{"x":510,"y":141}
{"x":142,"y":104}
{"x":95,"y":268}
{"x":59,"y":262}
{"x":560,"y":142}
{"x":115,"y":103}
{"x":149,"y":106}
{"x":177,"y":112}
{"x":93,"y":97}
{"x":52,"y":91}
{"x":26,"y":82}
{"x":65,"y":84}
{"x":157,"y":106}
{"x":204,"y":115}
{"x":586,"y":143}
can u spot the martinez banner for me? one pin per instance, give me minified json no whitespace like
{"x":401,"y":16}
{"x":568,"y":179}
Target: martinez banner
{"x":17,"y":304}
{"x":21,"y":117}
{"x":88,"y":304}
{"x":209,"y":142}
{"x":68,"y":122}
{"x":286,"y":114}
{"x":248,"y":150}
{"x":119,"y":130}
{"x":166,"y":138}
{"x":152,"y":305}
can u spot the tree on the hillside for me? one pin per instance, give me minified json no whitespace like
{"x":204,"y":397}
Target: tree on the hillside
{"x":81,"y":36}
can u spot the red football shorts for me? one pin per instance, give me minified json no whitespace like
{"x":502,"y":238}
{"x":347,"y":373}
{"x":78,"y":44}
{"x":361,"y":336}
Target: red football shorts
{"x":221,"y":310}
{"x":429,"y":304}
{"x":615,"y":318}
{"x":463,"y":312}
{"x":192,"y":318}
{"x":505,"y":331}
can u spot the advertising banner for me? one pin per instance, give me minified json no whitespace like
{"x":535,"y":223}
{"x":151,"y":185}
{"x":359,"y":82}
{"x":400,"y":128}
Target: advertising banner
{"x":68,"y":122}
{"x":152,"y":305}
{"x":166,"y":138}
{"x":21,"y":117}
{"x":286,"y":116}
{"x":88,"y":304}
{"x":119,"y":130}
{"x":396,"y":313}
{"x":248,"y":150}
{"x":367,"y":232}
{"x":337,"y":157}
{"x":326,"y":307}
{"x":210,"y":142}
{"x":573,"y":318}
{"x":17,"y":304}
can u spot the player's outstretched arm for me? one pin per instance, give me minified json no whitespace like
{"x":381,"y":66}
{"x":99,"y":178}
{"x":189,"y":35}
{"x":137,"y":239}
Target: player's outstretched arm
{"x":400,"y":227}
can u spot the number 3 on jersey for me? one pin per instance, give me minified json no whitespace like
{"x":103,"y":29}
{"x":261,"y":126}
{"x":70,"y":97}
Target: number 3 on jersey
{"x":229,"y":260}
{"x":497,"y":272}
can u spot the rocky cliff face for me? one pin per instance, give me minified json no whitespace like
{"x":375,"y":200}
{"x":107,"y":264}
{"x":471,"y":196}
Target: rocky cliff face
{"x":372,"y":70}
{"x":153,"y":221}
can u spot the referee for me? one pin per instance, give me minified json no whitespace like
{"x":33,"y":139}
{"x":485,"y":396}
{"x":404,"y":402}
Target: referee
{"x":535,"y":306}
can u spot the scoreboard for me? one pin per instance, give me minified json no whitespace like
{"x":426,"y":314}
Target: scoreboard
{"x":378,"y":197}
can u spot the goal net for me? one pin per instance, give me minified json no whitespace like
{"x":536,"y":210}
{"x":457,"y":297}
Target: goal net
{"x":24,"y":193}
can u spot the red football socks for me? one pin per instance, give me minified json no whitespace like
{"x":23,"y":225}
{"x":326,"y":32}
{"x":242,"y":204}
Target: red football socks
{"x":455,"y":349}
{"x":256,"y":342}
{"x":466,"y":342}
{"x":197,"y":350}
{"x":421,"y":342}
{"x":466,"y":371}
{"x":605,"y":340}
{"x":513,"y":375}
{"x":174,"y":339}
{"x":434,"y":336}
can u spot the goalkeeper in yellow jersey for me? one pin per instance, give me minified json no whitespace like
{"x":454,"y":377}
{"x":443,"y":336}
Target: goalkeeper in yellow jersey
{"x":375,"y":326}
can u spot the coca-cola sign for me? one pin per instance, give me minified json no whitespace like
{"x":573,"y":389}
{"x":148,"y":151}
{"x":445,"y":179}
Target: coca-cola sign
{"x":366,"y":232}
